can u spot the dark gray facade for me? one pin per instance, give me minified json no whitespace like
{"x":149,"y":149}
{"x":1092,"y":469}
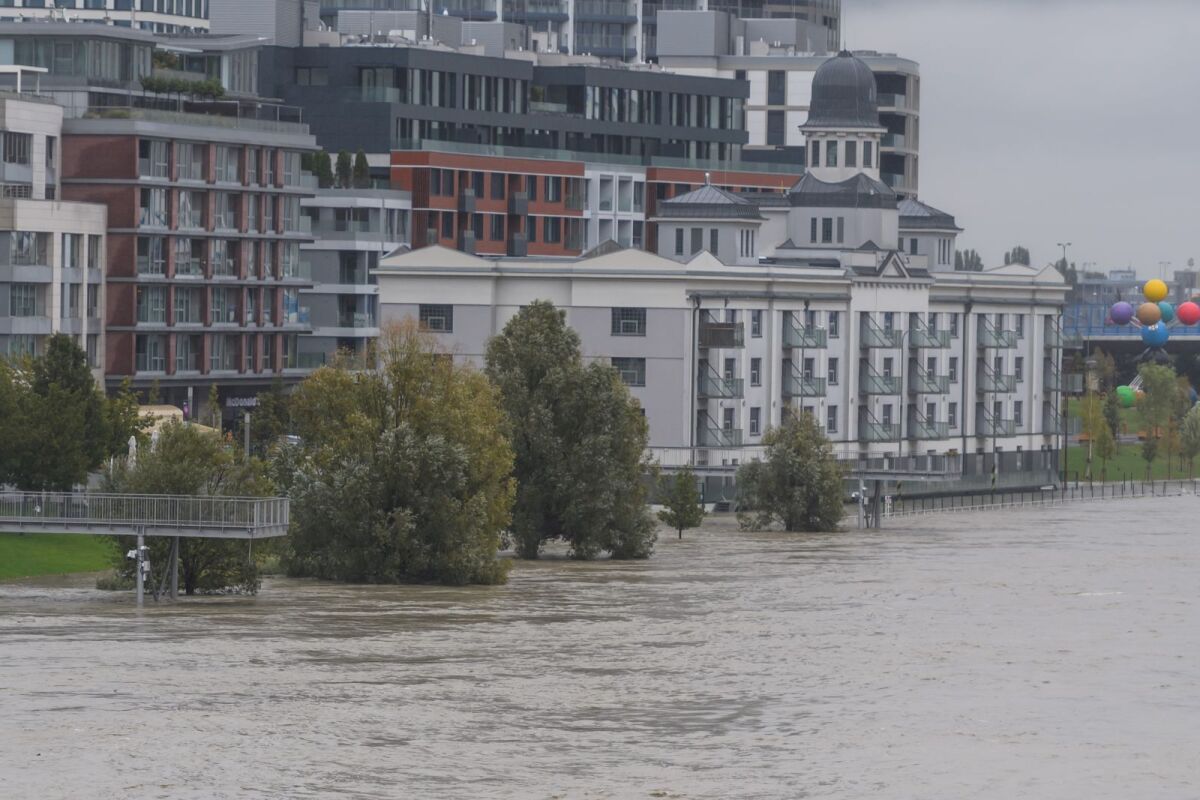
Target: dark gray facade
{"x":385,"y":98}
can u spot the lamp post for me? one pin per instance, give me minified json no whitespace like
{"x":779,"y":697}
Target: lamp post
{"x":1088,"y":365}
{"x":1064,"y":246}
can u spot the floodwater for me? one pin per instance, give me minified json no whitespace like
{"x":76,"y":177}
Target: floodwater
{"x":1044,"y":653}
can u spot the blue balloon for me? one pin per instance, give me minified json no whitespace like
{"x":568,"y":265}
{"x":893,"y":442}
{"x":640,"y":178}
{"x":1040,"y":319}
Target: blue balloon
{"x":1155,"y":335}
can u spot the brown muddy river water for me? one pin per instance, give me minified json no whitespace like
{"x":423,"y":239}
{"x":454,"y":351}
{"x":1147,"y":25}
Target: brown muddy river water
{"x":1049,"y":653}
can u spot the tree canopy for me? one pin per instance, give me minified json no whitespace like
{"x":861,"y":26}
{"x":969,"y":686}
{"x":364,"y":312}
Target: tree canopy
{"x":185,"y":460}
{"x":579,"y":438}
{"x":798,"y":484}
{"x":52,"y":404}
{"x":1018,"y":255}
{"x":362,"y":171}
{"x":968,"y":261}
{"x":404,"y":472}
{"x":682,"y":506}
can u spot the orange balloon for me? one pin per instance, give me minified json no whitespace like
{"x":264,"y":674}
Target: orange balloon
{"x":1149,"y":313}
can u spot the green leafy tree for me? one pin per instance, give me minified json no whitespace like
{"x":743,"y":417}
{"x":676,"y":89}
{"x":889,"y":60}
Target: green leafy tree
{"x":344,"y":170}
{"x":323,"y":169}
{"x":798,"y":484}
{"x":270,"y":419}
{"x":1018,"y":255}
{"x":362,"y":172}
{"x":1190,"y":438}
{"x":11,"y":419}
{"x":154,"y":397}
{"x":214,"y":406}
{"x":1112,"y":413}
{"x":404,"y":473}
{"x":1163,"y":406}
{"x":580,"y":441}
{"x":681,"y":499}
{"x":186,"y":460}
{"x":1094,"y":424}
{"x":968,"y":261}
{"x":58,"y":409}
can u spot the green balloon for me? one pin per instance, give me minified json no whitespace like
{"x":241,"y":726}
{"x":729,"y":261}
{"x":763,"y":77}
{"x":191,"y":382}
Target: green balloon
{"x":1126,"y":396}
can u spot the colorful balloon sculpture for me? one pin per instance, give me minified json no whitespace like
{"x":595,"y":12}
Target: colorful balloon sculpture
{"x":1153,"y":317}
{"x":1126,"y":396}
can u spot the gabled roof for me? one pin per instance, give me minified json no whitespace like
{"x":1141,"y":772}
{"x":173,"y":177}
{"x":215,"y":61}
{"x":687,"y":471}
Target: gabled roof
{"x":708,"y":202}
{"x":915,"y":214}
{"x":602,"y":249}
{"x":433,"y":256}
{"x":858,"y":191}
{"x":892,"y":265}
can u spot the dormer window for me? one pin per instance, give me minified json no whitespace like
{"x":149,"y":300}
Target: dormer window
{"x":831,"y":154}
{"x":868,"y":156}
{"x":851,"y":154}
{"x":816,"y":153}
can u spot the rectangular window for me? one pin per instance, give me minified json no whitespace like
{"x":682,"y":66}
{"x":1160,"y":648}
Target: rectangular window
{"x":152,"y":304}
{"x":1020,"y":319}
{"x":497,"y":185}
{"x":954,"y":369}
{"x":776,"y":128}
{"x":831,"y":154}
{"x":152,"y":158}
{"x":776,"y":88}
{"x":531,"y":183}
{"x":867,"y":155}
{"x":1018,"y":407}
{"x":1019,"y":367}
{"x":814,"y":158}
{"x":553,"y":189}
{"x":827,"y":230}
{"x":29,"y":249}
{"x":151,"y":255}
{"x":851,"y":154}
{"x":632,"y":370}
{"x":952,"y":414}
{"x":438,"y":318}
{"x":712,"y":240}
{"x":150,"y":353}
{"x":831,"y":419}
{"x":756,"y":372}
{"x":887,"y":367}
{"x":756,"y":318}
{"x":835,"y":318}
{"x":755,"y":421}
{"x":679,"y":241}
{"x":447,"y":225}
{"x":17,"y":147}
{"x":954,"y":325}
{"x":841,"y":230}
{"x":629,"y":322}
{"x":552,"y":230}
{"x":24,"y":300}
{"x":833,"y":371}
{"x":697,"y":240}
{"x":153,"y":208}
{"x":812,"y":234}
{"x":497,"y":227}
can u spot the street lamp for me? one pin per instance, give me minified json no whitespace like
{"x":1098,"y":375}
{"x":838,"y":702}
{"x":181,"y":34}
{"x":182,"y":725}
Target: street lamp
{"x":1065,"y":263}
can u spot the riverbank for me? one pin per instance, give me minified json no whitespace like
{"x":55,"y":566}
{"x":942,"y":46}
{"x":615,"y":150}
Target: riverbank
{"x":34,"y":555}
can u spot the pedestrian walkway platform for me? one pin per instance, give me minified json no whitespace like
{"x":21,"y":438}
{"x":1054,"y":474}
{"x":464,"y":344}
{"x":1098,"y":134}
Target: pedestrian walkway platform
{"x":144,"y":514}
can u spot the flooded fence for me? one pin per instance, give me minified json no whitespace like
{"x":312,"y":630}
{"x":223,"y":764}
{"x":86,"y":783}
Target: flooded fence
{"x":897,"y":505}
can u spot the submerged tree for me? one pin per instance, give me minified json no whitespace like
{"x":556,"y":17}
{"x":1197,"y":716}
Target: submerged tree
{"x":403,"y":473}
{"x":186,"y":460}
{"x":683,"y":507}
{"x":798,"y":484}
{"x":580,"y":441}
{"x":1190,"y":438}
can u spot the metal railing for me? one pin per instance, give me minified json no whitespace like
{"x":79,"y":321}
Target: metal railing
{"x":875,"y":336}
{"x":719,"y":437}
{"x":878,"y":432}
{"x":717,"y":387}
{"x":922,"y":381}
{"x":71,"y":512}
{"x":871,"y":382}
{"x":991,"y":336}
{"x":921,"y":335}
{"x":804,"y":336}
{"x":988,"y":380}
{"x":722,"y":335}
{"x":797,"y":385}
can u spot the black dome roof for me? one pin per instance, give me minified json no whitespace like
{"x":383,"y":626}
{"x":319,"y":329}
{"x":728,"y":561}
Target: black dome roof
{"x":843,"y":95}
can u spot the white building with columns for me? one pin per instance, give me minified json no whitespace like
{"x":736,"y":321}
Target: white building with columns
{"x":837,"y":299}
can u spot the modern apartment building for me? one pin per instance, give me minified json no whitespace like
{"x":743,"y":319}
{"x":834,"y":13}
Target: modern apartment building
{"x":352,"y":229}
{"x":52,"y":253}
{"x":384,"y":98}
{"x":159,"y":16}
{"x":812,"y":300}
{"x":779,"y":59}
{"x":524,"y":202}
{"x":204,"y":272}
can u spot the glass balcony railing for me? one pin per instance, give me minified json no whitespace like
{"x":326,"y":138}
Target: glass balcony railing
{"x":989,"y":380}
{"x":922,"y":428}
{"x":719,"y":437}
{"x":988,"y":425}
{"x":722,"y":335}
{"x":715,"y":386}
{"x":921,"y":381}
{"x":991,"y":336}
{"x":804,"y":336}
{"x":801,"y":386}
{"x":875,"y":336}
{"x":879,"y":432}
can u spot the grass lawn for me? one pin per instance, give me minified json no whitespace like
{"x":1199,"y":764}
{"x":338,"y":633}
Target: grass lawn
{"x":1128,"y":462}
{"x":52,"y":554}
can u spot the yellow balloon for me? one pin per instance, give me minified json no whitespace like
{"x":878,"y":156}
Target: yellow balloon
{"x":1155,"y":290}
{"x":1149,"y":313}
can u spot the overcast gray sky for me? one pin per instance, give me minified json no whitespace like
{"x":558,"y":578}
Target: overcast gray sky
{"x":1046,"y":121}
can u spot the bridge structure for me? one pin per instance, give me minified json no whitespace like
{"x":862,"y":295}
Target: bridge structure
{"x":142,"y":515}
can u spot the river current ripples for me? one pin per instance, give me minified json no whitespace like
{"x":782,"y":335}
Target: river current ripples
{"x":1046,"y":653}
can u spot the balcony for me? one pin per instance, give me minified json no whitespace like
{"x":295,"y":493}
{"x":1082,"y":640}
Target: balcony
{"x":988,"y":425}
{"x":1052,"y":422}
{"x":297,"y":318}
{"x":988,"y":380}
{"x":796,"y":385}
{"x":921,"y":427}
{"x":518,"y":204}
{"x":722,"y":335}
{"x":1056,"y":381}
{"x":871,"y":382}
{"x":718,"y":437}
{"x":921,"y":381}
{"x":380,"y":94}
{"x":605,"y":11}
{"x":991,"y":336}
{"x":891,"y":100}
{"x":875,"y":336}
{"x":714,"y":386}
{"x":921,"y":335}
{"x":356,"y":319}
{"x":893,"y":140}
{"x":804,"y":336}
{"x":537,"y":11}
{"x":878,"y":432}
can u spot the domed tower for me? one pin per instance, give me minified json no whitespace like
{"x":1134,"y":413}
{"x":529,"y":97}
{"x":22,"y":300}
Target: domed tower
{"x":843,"y":131}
